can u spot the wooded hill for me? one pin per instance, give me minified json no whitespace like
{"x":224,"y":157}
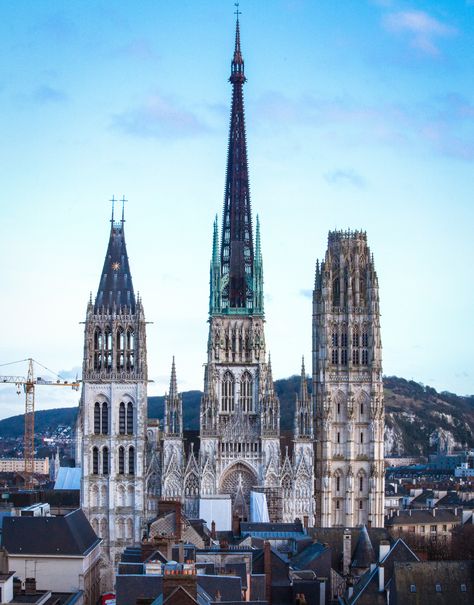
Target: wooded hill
{"x":415,"y":414}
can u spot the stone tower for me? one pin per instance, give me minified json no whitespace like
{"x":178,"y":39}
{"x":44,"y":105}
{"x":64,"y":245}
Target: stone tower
{"x":113,"y":406}
{"x":240,"y":416}
{"x":347,"y":385}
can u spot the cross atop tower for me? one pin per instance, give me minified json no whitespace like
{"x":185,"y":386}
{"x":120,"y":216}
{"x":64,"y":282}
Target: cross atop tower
{"x":237,"y":12}
{"x":113,"y":200}
{"x":123,"y":200}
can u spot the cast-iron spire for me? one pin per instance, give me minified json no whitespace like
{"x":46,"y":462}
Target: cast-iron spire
{"x":237,"y":255}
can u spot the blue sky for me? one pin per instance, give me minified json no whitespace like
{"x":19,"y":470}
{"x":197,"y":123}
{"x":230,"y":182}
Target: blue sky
{"x":359,"y":114}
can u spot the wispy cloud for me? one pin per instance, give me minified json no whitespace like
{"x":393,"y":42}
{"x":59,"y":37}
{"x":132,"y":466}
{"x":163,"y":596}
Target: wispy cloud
{"x":159,"y":117}
{"x":423,"y":30}
{"x":45,"y":94}
{"x":140,"y":49}
{"x":345,"y":177}
{"x":444,"y":125}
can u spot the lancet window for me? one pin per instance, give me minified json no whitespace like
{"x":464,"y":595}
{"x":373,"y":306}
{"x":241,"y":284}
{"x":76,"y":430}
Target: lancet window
{"x":129,"y":418}
{"x":246,"y":392}
{"x":130,"y":349}
{"x":98,"y":346}
{"x":95,"y":461}
{"x":108,"y":348}
{"x":131,"y":460}
{"x":228,"y":393}
{"x":101,"y":418}
{"x":120,"y":349}
{"x":122,"y":419}
{"x":121,"y":457}
{"x":105,"y":460}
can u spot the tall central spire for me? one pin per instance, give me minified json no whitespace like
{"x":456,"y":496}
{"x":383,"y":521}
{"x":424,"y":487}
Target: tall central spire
{"x":237,"y":255}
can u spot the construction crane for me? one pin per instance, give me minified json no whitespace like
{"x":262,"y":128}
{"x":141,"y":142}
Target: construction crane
{"x":29,"y":383}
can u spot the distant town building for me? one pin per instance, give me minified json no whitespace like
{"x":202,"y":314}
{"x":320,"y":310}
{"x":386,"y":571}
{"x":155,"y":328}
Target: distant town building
{"x":17,"y":465}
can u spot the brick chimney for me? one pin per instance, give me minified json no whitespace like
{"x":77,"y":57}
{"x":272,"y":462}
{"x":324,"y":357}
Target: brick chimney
{"x":30,"y":586}
{"x":305,"y":522}
{"x":173,"y":578}
{"x":213,"y":530}
{"x":267,"y":569}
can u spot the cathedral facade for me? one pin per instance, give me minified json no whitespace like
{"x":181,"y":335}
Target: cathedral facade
{"x":332,"y":473}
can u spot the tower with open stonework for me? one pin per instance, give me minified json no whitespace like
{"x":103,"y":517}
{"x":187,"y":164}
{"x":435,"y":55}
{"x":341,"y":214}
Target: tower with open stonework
{"x":347,"y":385}
{"x":240,"y":415}
{"x":113,"y":406}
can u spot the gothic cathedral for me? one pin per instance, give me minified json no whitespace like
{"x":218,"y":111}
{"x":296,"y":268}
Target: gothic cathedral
{"x":333,"y":474}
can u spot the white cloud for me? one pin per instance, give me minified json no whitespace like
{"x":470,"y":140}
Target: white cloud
{"x":424,"y":30}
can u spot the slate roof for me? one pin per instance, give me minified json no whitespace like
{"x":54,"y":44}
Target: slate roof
{"x":333,"y":537}
{"x":434,"y":582}
{"x":269,"y":528}
{"x":364,"y":554}
{"x":70,"y":534}
{"x":115,"y":287}
{"x":305,"y":557}
{"x":424,"y":516}
{"x":366,"y":591}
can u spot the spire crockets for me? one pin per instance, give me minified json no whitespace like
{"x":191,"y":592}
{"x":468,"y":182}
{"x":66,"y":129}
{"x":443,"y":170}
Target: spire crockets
{"x":235,"y":279}
{"x":303,"y":415}
{"x":115,"y":287}
{"x":173,"y":407}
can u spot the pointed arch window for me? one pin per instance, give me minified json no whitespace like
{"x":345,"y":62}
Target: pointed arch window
{"x":129,"y":418}
{"x":120,"y":349}
{"x":122,"y":418}
{"x":130,"y":349}
{"x":361,"y":484}
{"x":121,"y":457}
{"x":336,"y":292}
{"x":108,"y":348}
{"x":365,"y":357}
{"x":355,"y":357}
{"x":246,"y":392}
{"x":98,"y":346}
{"x":105,"y":419}
{"x":228,"y":392}
{"x":344,"y":342}
{"x":105,"y":460}
{"x":338,"y":483}
{"x":97,"y":418}
{"x":95,"y":461}
{"x":131,"y":460}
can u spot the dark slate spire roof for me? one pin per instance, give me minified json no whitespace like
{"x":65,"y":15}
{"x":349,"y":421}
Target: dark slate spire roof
{"x":115,"y":287}
{"x":364,"y":553}
{"x":237,"y":254}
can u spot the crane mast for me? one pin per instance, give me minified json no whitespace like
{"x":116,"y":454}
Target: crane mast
{"x":29,"y":383}
{"x":29,"y":439}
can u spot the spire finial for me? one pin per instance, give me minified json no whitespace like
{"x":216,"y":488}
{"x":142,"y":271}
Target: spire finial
{"x":113,"y":200}
{"x":173,"y":382}
{"x":303,"y":372}
{"x":123,"y":200}
{"x":237,"y":75}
